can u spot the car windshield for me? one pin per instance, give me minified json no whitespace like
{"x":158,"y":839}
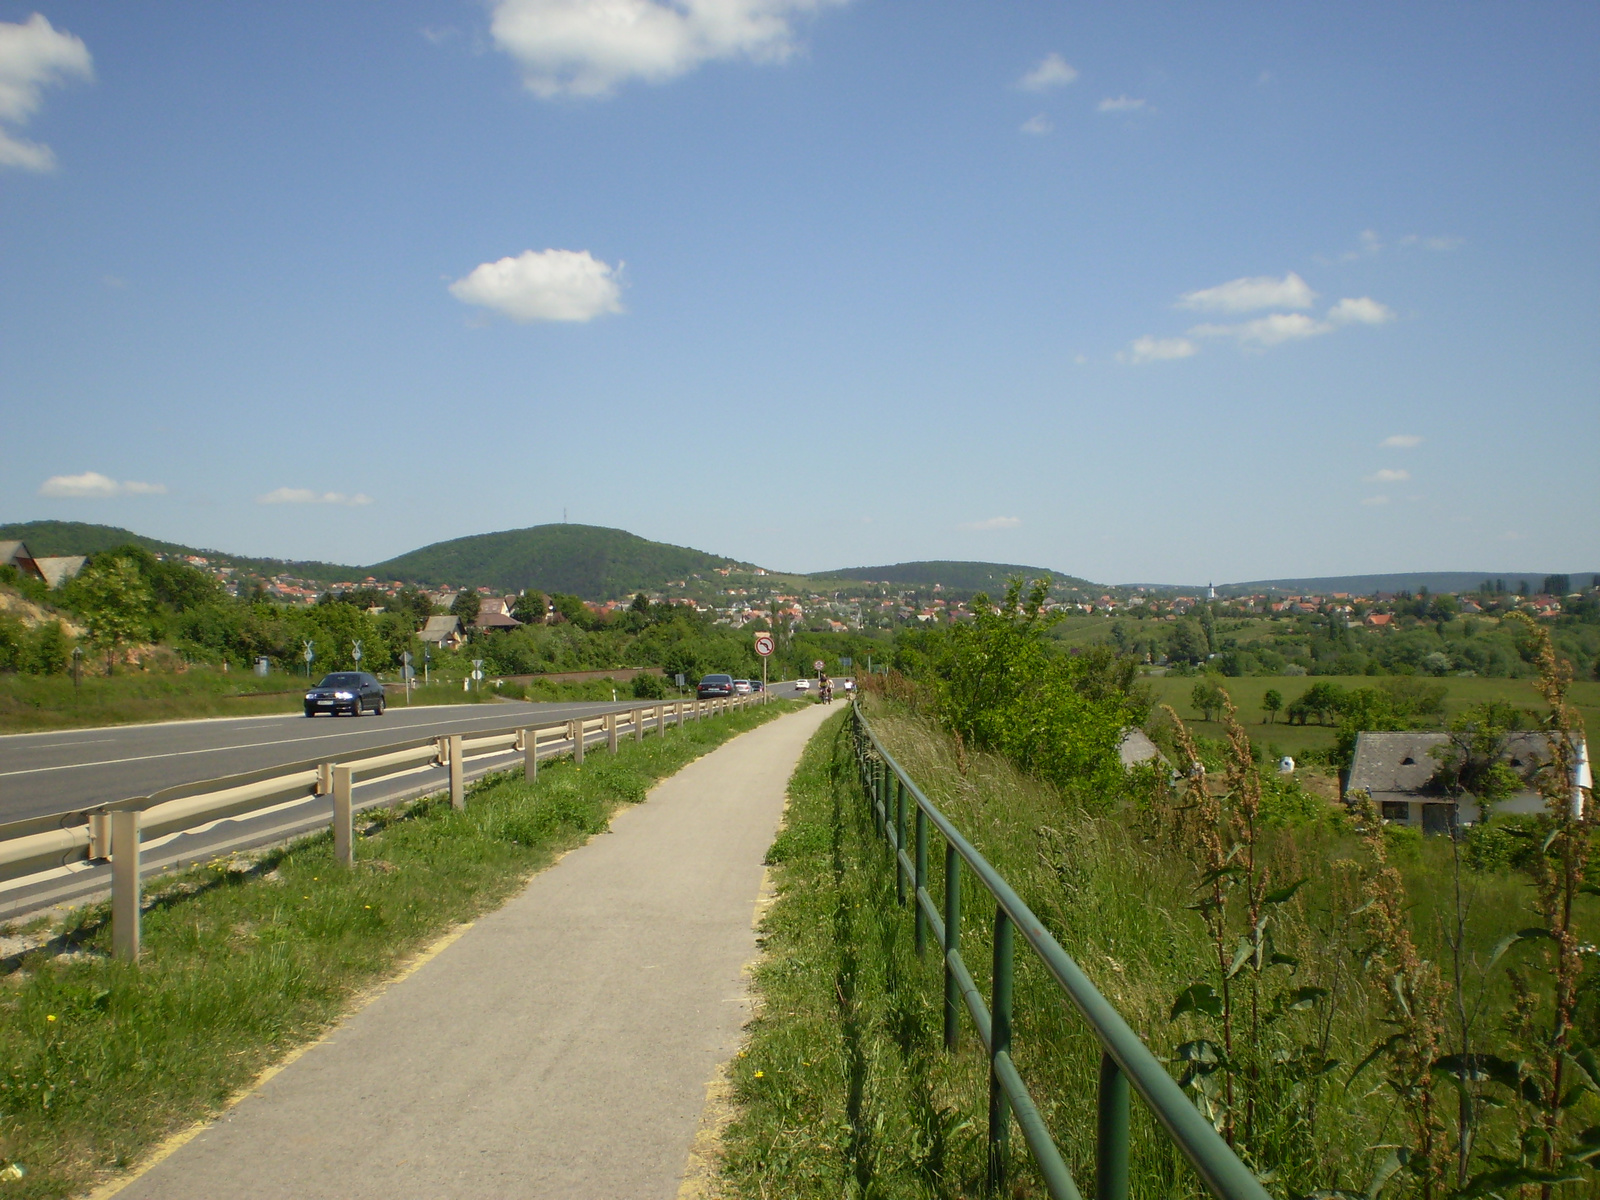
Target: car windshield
{"x":341,"y":679}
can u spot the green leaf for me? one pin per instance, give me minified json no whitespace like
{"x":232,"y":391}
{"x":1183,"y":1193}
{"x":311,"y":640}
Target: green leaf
{"x":1512,"y":939}
{"x":1398,"y":1157}
{"x":1284,"y":893}
{"x":1383,"y":1047}
{"x":1305,"y":997}
{"x":1500,"y":1180}
{"x":1197,"y":998}
{"x":1240,"y":957}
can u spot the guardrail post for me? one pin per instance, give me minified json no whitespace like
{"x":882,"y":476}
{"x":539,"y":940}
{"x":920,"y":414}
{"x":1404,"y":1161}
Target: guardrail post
{"x":999,"y":1043}
{"x":343,"y":822}
{"x":324,"y":778}
{"x":677,"y":713}
{"x":530,"y":754}
{"x":661,"y":719}
{"x":458,"y":774}
{"x":952,"y":946}
{"x":921,"y":881}
{"x":899,"y":838}
{"x":125,"y":885}
{"x":636,"y":719}
{"x":611,"y":732}
{"x":1111,"y":1133}
{"x":575,"y":732}
{"x":100,"y":835}
{"x":443,"y":756}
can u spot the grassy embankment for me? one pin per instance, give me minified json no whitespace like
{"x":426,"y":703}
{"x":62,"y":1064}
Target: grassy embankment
{"x":844,"y":1089}
{"x":103,"y":1060}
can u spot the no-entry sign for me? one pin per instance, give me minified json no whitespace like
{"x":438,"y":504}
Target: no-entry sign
{"x":818,"y":665}
{"x":764,"y":644}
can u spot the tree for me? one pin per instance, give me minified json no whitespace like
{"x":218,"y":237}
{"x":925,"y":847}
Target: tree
{"x":1271,"y":702}
{"x":531,"y":607}
{"x":1186,"y":643}
{"x":641,"y":604}
{"x":116,"y":605}
{"x":1557,"y":585}
{"x":1207,"y":698}
{"x":466,"y":605}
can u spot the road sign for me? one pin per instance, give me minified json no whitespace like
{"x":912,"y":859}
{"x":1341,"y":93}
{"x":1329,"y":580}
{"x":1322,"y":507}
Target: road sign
{"x":679,"y":678}
{"x":408,"y":672}
{"x":818,"y":665}
{"x":356,"y":653}
{"x":309,"y":652}
{"x":405,"y":658}
{"x":764,"y":645}
{"x":477,"y":674}
{"x":845,"y":662}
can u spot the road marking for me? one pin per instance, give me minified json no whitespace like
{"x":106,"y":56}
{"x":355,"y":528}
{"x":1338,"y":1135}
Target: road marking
{"x":113,"y":762}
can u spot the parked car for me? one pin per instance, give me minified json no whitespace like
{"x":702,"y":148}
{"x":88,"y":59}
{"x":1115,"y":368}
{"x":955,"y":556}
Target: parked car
{"x":712,"y":686}
{"x":345,"y":691}
{"x":802,"y":685}
{"x":741,"y":687}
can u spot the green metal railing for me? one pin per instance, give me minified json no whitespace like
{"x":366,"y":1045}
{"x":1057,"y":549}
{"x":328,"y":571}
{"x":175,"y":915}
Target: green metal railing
{"x":1124,"y":1058}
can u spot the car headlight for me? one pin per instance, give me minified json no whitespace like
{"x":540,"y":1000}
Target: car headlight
{"x":344,"y":695}
{"x":311,"y":695}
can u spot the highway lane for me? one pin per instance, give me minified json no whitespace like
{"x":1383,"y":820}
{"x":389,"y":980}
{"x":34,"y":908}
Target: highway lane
{"x":62,"y":770}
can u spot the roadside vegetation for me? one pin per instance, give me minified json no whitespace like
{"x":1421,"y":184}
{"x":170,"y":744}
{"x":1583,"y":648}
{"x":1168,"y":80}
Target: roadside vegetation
{"x":248,"y":958}
{"x":1359,"y":1011}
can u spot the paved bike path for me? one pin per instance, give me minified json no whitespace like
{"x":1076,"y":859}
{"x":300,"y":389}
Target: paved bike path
{"x":560,"y":1047}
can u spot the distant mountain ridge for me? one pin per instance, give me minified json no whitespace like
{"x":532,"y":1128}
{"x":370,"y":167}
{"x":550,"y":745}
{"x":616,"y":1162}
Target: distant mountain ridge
{"x":954,"y":575}
{"x":1404,"y":581}
{"x":48,"y":538}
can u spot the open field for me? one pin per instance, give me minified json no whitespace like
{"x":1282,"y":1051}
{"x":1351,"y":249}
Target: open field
{"x":244,"y":961}
{"x":1294,"y":739}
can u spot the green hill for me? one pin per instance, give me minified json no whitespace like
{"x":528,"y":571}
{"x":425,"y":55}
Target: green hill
{"x":951,"y":576}
{"x":583,"y":560}
{"x":49,"y":538}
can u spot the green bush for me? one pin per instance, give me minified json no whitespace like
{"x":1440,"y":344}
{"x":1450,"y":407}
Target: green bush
{"x":649,"y":686}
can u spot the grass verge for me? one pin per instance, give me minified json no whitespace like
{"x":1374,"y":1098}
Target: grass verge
{"x":103,"y":1060}
{"x":844,"y":1088}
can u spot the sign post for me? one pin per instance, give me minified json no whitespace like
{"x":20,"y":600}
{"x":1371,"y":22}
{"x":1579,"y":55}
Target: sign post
{"x":477,"y":671}
{"x":356,"y":653}
{"x":764,"y":647}
{"x":407,"y":672}
{"x":309,"y":653}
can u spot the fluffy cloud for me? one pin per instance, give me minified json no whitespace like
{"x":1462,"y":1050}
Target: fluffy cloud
{"x":1039,"y":125}
{"x":1153,"y":349}
{"x":1120,"y":104}
{"x":990,"y":523}
{"x":589,"y":47}
{"x":1052,"y":72}
{"x":288,"y":495}
{"x":1388,"y":475}
{"x":1400,"y":441}
{"x":1251,"y":293}
{"x":1362,"y":310}
{"x":33,"y":55}
{"x":549,"y":285}
{"x":1276,"y":328}
{"x":92,"y":485}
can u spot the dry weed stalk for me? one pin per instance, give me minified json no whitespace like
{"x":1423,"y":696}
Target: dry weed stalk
{"x":1412,"y":992}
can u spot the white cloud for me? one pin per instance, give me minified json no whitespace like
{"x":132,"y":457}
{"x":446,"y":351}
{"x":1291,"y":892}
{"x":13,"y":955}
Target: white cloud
{"x":1039,"y":125}
{"x":1250,"y":293}
{"x":1388,"y":475}
{"x":1153,"y":349}
{"x":289,"y":495}
{"x":1120,"y":104}
{"x":990,"y":523}
{"x":1375,"y":501}
{"x":1363,"y":310}
{"x":1400,"y":441}
{"x":1271,"y":330}
{"x":33,"y":55}
{"x":92,"y":485}
{"x":589,"y":47}
{"x":549,"y":285}
{"x":1053,"y":71}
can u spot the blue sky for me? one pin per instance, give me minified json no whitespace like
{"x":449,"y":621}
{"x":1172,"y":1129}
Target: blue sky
{"x":1135,"y":291}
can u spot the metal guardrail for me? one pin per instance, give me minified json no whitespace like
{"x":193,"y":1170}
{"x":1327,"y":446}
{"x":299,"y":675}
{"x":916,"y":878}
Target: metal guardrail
{"x":117,"y":830}
{"x":1124,"y":1057}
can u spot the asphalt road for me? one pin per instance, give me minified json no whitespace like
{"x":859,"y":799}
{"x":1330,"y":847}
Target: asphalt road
{"x":559,"y":1048}
{"x":63,"y":770}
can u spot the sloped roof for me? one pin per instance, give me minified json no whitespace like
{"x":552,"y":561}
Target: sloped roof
{"x":58,"y":569}
{"x":1400,"y":766}
{"x":1136,"y":748}
{"x":11,"y":551}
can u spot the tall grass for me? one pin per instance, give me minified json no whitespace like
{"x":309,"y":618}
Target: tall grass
{"x":244,"y":961}
{"x":854,"y":1095}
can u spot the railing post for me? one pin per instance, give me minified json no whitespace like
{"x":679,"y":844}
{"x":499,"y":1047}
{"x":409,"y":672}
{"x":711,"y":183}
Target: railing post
{"x":324,"y":778}
{"x":125,"y":885}
{"x":999,"y":1043}
{"x":611,"y":732}
{"x":921,"y":881}
{"x":636,"y":719}
{"x":1111,"y":1133}
{"x":952,"y":946}
{"x":661,"y":719}
{"x":343,"y":816}
{"x":530,"y":754}
{"x":458,"y":774}
{"x":677,"y":713}
{"x":575,"y":733}
{"x":100,"y":835}
{"x":899,"y":837}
